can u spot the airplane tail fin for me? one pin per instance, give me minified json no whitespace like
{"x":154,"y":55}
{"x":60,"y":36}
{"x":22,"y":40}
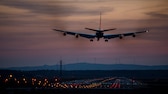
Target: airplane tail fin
{"x":105,"y":29}
{"x":100,"y":29}
{"x":99,"y":26}
{"x":100,"y":22}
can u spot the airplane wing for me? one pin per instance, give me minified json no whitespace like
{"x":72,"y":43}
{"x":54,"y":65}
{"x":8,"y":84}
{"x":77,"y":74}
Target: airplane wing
{"x":76,"y":34}
{"x":87,"y":35}
{"x":123,"y":34}
{"x":65,"y":32}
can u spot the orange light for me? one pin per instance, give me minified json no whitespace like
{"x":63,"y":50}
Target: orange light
{"x":39,"y":83}
{"x":49,"y":85}
{"x":10,"y":75}
{"x":45,"y":80}
{"x":6,"y":80}
{"x":24,"y":79}
{"x":33,"y":79}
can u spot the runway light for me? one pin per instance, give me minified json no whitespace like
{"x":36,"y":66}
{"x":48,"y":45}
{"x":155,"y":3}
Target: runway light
{"x":10,"y":75}
{"x":39,"y":83}
{"x":44,"y":84}
{"x":33,"y":80}
{"x":45,"y":80}
{"x":6,"y":80}
{"x":24,"y":79}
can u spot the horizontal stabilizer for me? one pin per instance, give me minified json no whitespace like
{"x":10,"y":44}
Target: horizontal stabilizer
{"x":109,"y":29}
{"x":91,"y":29}
{"x":100,"y":30}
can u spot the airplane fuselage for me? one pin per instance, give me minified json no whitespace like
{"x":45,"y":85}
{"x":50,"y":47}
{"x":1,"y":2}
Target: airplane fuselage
{"x":99,"y":35}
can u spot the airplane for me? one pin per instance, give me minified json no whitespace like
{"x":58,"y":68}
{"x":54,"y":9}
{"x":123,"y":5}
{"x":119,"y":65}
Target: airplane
{"x":100,"y":33}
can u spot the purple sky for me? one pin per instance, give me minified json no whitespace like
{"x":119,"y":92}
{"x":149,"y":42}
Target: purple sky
{"x":27,"y":38}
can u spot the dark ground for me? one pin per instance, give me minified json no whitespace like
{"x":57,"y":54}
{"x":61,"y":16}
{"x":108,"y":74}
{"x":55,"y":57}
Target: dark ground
{"x":85,"y":91}
{"x":156,"y":80}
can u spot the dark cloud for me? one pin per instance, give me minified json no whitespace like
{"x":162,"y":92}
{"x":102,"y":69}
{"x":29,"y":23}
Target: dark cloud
{"x":39,"y":7}
{"x":81,"y":1}
{"x":11,"y":21}
{"x":56,"y":8}
{"x":34,"y":9}
{"x":140,"y":24}
{"x":94,"y":12}
{"x":158,"y":15}
{"x":162,"y":13}
{"x":8,"y":19}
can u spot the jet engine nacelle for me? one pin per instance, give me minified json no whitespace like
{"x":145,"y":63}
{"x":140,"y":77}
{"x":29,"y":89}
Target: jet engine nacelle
{"x":106,"y":40}
{"x":64,"y":33}
{"x":134,"y":35}
{"x":121,"y":36}
{"x":77,"y":35}
{"x":91,"y":40}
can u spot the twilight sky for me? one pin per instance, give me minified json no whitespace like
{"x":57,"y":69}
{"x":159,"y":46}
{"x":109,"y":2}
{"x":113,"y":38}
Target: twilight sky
{"x":27,"y":38}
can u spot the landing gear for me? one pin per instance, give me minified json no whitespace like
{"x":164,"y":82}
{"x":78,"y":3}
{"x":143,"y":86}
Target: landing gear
{"x":98,"y":39}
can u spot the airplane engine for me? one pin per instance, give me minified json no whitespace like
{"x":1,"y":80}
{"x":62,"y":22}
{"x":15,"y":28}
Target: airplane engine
{"x":64,"y":34}
{"x":121,"y":36}
{"x":106,"y":40}
{"x":134,"y":35}
{"x":77,"y":35}
{"x":91,"y":40}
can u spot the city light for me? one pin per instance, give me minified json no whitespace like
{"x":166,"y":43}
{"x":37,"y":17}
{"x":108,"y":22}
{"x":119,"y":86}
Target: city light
{"x":6,"y":80}
{"x":10,"y":75}
{"x":106,"y":82}
{"x":24,"y":79}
